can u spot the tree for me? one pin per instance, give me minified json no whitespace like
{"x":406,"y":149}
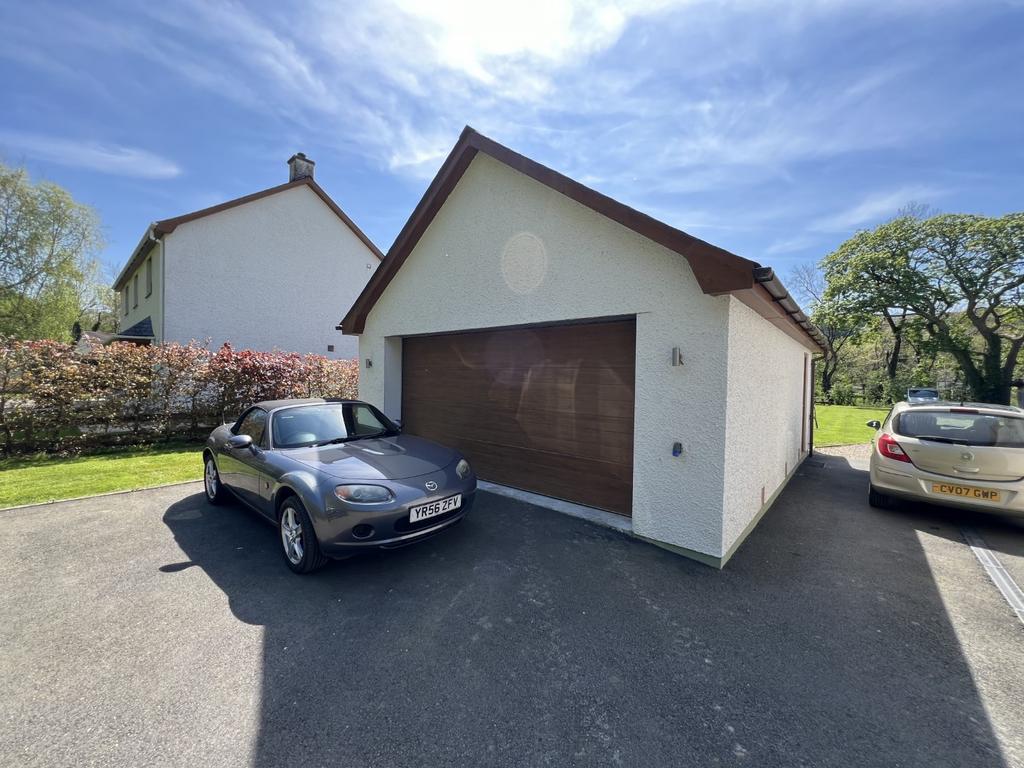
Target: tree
{"x":808,"y":282}
{"x":48,"y":273}
{"x":960,"y":276}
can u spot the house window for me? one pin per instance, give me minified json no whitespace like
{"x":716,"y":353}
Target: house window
{"x":149,"y":277}
{"x":135,"y":290}
{"x":124,"y":300}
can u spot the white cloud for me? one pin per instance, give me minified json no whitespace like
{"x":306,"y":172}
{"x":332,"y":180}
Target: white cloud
{"x":875,"y":207}
{"x":652,"y":101}
{"x":112,"y":159}
{"x":791,"y":245}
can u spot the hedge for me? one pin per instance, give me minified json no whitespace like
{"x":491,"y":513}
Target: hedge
{"x":56,"y":398}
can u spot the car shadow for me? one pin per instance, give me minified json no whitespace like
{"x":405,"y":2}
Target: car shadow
{"x":524,"y":637}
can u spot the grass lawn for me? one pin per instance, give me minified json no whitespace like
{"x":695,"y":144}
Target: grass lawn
{"x":844,"y":424}
{"x":32,"y":479}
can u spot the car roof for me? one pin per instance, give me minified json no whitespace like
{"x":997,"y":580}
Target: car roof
{"x":273,"y":405}
{"x":1011,"y":410}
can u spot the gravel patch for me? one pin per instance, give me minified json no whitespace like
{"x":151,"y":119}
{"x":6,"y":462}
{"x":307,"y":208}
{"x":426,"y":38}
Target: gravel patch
{"x":858,"y":451}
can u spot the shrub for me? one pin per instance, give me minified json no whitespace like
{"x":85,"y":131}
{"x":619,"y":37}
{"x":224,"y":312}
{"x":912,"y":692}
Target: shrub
{"x":842,"y":394}
{"x":56,"y":398}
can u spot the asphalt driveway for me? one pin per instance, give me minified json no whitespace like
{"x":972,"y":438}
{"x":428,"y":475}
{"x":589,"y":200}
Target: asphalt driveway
{"x":151,"y":629}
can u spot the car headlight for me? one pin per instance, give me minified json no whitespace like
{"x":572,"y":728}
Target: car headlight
{"x":462,"y":469}
{"x":363,"y":494}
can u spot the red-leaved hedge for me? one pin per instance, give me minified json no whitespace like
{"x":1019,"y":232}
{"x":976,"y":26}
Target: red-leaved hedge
{"x":56,"y":398}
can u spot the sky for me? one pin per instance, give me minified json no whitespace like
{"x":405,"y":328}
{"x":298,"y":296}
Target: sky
{"x":774,"y":130}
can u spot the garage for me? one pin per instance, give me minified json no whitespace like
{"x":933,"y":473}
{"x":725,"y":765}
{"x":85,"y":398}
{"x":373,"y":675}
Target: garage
{"x":547,"y":409}
{"x":580,"y":350}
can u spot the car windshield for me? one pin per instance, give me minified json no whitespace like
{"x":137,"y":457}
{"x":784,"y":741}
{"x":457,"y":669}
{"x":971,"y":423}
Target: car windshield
{"x":322,"y":424}
{"x":962,"y":427}
{"x":924,"y":393}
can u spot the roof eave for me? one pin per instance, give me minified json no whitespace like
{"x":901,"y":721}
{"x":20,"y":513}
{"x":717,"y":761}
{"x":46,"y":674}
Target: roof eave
{"x":146,"y":243}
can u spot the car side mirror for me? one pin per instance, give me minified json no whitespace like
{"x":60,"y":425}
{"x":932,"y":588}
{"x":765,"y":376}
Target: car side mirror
{"x":874,"y":424}
{"x":239,"y":441}
{"x":398,"y":423}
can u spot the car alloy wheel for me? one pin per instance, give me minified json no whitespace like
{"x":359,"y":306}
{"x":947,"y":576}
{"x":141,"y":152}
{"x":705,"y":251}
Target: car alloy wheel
{"x":298,"y":538}
{"x":210,"y":476}
{"x":292,"y":536}
{"x":215,"y":490}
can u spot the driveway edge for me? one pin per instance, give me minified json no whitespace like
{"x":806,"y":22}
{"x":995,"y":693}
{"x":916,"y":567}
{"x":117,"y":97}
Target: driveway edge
{"x":98,"y":495}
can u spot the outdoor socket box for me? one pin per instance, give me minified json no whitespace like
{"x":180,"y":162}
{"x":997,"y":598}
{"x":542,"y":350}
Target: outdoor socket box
{"x":677,"y":449}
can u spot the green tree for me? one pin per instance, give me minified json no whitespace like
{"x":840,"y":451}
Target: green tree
{"x":48,"y":274}
{"x":960,"y":276}
{"x":838,"y":327}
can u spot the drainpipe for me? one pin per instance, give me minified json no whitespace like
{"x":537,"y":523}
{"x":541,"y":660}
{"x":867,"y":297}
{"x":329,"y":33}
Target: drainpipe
{"x":163,"y":283}
{"x":810,"y":411}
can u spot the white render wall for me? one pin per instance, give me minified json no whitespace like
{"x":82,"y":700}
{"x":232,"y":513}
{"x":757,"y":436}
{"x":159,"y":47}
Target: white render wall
{"x":765,"y":424}
{"x":506,"y":250}
{"x":278,"y":272}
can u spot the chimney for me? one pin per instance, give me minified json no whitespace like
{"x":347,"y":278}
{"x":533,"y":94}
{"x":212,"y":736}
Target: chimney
{"x":300,"y":167}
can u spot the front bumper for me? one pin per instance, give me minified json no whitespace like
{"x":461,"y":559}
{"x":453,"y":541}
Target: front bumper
{"x":909,"y":482}
{"x":344,"y":529}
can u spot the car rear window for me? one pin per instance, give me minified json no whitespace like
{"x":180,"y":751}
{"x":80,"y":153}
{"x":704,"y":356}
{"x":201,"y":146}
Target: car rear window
{"x":962,"y":428}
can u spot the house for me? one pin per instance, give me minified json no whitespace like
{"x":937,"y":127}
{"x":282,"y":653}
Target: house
{"x":261,"y":272}
{"x":576,"y":348}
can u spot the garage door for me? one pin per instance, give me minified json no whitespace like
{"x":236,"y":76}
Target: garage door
{"x":546,"y":409}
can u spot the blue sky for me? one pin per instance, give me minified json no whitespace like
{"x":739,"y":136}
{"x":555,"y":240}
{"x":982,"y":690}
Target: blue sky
{"x":772,"y":129}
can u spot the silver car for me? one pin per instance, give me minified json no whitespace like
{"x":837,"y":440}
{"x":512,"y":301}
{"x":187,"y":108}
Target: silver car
{"x":966,"y":455}
{"x":922,"y":395}
{"x":336,"y":477}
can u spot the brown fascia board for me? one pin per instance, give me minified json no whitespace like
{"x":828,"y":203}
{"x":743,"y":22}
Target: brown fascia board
{"x":717,"y":271}
{"x":166,"y":226}
{"x":169,"y":225}
{"x":138,"y":255}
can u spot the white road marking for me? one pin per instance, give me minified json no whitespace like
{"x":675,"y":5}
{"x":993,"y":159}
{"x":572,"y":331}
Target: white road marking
{"x":995,"y":570}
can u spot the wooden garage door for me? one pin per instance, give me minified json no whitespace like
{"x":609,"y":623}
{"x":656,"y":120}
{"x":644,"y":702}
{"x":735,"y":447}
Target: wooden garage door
{"x":546,"y":409}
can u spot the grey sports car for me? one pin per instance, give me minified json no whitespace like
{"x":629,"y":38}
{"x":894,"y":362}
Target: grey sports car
{"x":337,"y":477}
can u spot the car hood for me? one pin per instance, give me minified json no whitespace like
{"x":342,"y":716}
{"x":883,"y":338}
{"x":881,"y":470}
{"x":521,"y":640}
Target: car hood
{"x":383,"y":458}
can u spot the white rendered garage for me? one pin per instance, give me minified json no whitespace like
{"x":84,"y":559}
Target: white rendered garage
{"x":574,"y":347}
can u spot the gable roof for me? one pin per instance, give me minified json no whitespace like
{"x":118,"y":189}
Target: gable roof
{"x":717,"y":271}
{"x":165,"y":226}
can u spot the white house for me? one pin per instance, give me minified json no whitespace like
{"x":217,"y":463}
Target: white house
{"x":576,"y":348}
{"x":263,"y":271}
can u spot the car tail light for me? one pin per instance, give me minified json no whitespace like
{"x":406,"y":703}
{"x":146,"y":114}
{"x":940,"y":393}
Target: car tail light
{"x":891,"y":449}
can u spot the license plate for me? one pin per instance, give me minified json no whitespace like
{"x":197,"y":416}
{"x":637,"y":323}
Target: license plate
{"x":965,"y":492}
{"x":435,"y":508}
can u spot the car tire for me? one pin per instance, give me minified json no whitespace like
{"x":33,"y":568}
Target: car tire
{"x":299,"y":544}
{"x":215,"y":491}
{"x":879,"y":500}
